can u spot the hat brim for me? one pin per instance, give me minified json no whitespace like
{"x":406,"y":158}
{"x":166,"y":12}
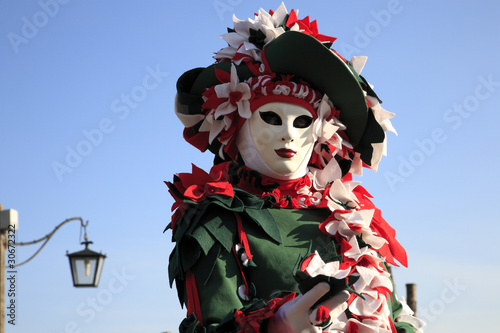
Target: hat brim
{"x":303,"y":55}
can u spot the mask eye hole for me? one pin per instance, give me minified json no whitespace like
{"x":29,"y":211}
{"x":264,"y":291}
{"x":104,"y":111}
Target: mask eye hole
{"x":271,"y":118}
{"x":302,"y":121}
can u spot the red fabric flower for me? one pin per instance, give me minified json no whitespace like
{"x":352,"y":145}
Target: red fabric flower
{"x":331,"y":218}
{"x":178,"y":206}
{"x":198,"y":185}
{"x":307,"y":27}
{"x":250,"y":323}
{"x":235,"y":97}
{"x":276,"y":193}
{"x":393,"y":250}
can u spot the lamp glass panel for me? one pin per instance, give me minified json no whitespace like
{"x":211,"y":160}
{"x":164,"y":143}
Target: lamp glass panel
{"x":84,"y":270}
{"x":99,"y":270}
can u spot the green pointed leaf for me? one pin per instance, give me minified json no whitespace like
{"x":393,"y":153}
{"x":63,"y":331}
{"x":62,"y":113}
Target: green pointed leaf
{"x":222,"y":226}
{"x":173,"y":266}
{"x":227,"y":201}
{"x":204,"y":239}
{"x":205,"y":267}
{"x":328,"y":253}
{"x":265,"y":220}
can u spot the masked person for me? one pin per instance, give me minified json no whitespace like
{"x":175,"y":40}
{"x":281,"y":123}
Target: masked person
{"x":277,"y":237}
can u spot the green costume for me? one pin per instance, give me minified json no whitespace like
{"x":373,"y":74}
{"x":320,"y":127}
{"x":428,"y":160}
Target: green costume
{"x":267,"y":225}
{"x":251,"y":239}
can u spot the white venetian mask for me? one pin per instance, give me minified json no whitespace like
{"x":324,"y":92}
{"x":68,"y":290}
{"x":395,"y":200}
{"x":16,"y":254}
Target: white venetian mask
{"x":282,"y":140}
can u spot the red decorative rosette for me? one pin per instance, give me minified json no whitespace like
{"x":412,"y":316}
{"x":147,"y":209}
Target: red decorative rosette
{"x":198,"y":186}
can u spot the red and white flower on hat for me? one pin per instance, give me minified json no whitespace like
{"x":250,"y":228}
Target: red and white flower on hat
{"x":228,"y":98}
{"x":248,"y":37}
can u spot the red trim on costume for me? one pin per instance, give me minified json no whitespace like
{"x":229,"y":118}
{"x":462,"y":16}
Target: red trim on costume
{"x":193,"y":301}
{"x":393,"y":249}
{"x":264,"y":61}
{"x":243,"y":237}
{"x":221,"y":75}
{"x":393,"y":327}
{"x":254,"y":67}
{"x":383,"y":291}
{"x":199,"y":140}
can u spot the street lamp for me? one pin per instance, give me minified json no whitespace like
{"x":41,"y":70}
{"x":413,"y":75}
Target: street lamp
{"x":86,"y":266}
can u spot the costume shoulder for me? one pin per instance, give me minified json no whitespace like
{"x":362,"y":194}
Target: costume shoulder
{"x":207,"y":208}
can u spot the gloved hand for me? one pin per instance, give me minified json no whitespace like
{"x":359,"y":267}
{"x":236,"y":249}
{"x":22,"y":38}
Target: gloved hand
{"x":297,"y":316}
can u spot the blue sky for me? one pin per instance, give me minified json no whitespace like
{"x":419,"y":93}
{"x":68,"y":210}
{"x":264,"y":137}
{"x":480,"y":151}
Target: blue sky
{"x":87,"y":129}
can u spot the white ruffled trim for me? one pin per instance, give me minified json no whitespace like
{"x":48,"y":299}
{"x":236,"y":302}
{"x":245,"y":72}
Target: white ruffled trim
{"x":318,"y":267}
{"x":351,"y":221}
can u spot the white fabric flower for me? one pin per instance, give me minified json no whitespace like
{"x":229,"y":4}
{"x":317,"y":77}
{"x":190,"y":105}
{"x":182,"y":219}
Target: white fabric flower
{"x":358,"y":63}
{"x":238,"y":95}
{"x":340,"y":195}
{"x":407,"y":316}
{"x":339,"y":324}
{"x":214,"y":126}
{"x":360,"y":218}
{"x":368,"y":326}
{"x":314,"y":197}
{"x":356,"y":165}
{"x":372,"y":285}
{"x":369,"y":237}
{"x":238,"y":41}
{"x":370,"y":278}
{"x":321,"y":177}
{"x":341,"y":227}
{"x":363,"y":219}
{"x":356,"y":253}
{"x":318,"y":267}
{"x":382,"y":116}
{"x":324,"y":129}
{"x":343,"y":221}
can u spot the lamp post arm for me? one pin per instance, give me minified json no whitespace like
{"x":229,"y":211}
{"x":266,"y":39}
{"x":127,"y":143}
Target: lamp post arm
{"x":46,"y":238}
